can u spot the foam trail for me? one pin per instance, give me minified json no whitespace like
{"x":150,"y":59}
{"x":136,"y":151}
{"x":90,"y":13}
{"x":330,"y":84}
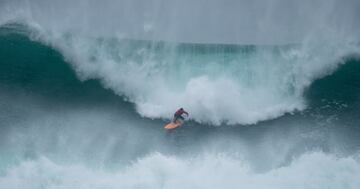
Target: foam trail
{"x":314,"y":170}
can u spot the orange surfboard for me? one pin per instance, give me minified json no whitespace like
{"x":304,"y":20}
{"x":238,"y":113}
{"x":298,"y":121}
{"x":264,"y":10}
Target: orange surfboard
{"x":173,"y":125}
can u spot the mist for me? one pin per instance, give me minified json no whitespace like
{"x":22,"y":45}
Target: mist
{"x":200,"y":21}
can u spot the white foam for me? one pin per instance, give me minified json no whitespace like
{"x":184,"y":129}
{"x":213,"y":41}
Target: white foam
{"x":246,"y":89}
{"x":315,"y":170}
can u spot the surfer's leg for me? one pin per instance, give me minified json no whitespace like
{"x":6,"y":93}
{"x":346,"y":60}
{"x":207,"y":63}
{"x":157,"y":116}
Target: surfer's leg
{"x":175,"y":118}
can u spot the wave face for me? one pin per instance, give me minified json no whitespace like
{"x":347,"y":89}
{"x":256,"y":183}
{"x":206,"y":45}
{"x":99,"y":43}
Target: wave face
{"x":84,"y":96}
{"x":217,"y":83}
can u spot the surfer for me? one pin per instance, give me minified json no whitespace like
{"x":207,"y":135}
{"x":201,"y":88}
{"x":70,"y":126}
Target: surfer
{"x":178,"y":119}
{"x":178,"y":115}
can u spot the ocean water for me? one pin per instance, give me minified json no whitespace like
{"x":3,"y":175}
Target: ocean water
{"x":84,"y":97}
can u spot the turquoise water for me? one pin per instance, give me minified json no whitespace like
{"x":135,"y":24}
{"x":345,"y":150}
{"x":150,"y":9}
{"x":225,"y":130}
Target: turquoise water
{"x":76,"y":116}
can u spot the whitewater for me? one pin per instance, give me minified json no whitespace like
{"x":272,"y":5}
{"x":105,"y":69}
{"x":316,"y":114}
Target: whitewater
{"x":272,"y":89}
